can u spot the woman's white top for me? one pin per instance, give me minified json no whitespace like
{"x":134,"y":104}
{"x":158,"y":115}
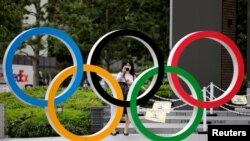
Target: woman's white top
{"x":127,"y":76}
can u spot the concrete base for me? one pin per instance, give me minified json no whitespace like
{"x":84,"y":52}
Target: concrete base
{"x":1,"y":121}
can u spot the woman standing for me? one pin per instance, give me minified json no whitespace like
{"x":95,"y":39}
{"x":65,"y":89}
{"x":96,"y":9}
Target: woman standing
{"x":127,"y":77}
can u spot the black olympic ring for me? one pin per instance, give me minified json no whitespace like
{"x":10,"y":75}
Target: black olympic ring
{"x":152,"y":47}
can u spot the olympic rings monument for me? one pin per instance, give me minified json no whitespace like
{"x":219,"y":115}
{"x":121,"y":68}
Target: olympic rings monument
{"x":194,"y":60}
{"x":217,"y":15}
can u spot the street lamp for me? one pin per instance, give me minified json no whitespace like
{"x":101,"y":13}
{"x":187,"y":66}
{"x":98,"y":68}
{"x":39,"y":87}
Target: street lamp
{"x":59,"y":109}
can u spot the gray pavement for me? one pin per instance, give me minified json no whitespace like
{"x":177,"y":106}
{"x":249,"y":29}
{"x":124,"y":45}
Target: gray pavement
{"x":120,"y":137}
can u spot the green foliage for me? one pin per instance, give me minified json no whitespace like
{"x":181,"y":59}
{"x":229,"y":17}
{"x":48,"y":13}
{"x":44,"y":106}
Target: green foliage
{"x":82,"y":100}
{"x":11,"y":14}
{"x":13,"y":20}
{"x":87,"y":20}
{"x":29,"y":121}
{"x":241,"y":33}
{"x":37,"y":125}
{"x":242,"y":26}
{"x":164,"y":91}
{"x":34,"y":124}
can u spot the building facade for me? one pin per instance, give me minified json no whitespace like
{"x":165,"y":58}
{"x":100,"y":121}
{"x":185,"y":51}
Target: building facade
{"x":207,"y":60}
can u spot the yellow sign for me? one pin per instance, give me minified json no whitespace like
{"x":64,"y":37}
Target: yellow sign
{"x":156,"y":115}
{"x":239,"y":100}
{"x":163,"y":106}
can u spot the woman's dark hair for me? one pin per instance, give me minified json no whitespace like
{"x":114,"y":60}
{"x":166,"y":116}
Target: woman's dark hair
{"x":132,"y":70}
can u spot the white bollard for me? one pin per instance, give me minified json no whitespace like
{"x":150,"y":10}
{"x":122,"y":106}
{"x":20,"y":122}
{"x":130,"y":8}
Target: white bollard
{"x":205,"y":112}
{"x":211,"y":96}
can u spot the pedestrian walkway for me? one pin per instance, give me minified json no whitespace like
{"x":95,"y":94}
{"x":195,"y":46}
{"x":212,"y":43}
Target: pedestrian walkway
{"x":119,"y":137}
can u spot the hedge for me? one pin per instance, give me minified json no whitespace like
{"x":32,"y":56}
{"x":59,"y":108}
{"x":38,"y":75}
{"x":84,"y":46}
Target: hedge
{"x":29,"y":121}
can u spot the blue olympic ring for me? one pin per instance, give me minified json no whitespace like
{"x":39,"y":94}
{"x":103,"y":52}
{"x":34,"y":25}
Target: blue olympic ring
{"x":70,"y":44}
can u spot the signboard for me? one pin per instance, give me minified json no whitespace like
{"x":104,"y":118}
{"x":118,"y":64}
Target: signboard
{"x":23,"y":74}
{"x":239,"y":100}
{"x":155,"y":115}
{"x":163,"y":106}
{"x":159,"y":111}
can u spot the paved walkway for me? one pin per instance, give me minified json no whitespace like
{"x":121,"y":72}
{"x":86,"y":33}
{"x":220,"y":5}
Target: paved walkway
{"x":131,"y":137}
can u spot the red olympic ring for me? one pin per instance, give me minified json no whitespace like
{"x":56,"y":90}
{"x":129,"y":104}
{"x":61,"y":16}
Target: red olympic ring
{"x":238,"y":65}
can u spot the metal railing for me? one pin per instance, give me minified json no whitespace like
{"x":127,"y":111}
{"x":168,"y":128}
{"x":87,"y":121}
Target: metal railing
{"x":208,"y":93}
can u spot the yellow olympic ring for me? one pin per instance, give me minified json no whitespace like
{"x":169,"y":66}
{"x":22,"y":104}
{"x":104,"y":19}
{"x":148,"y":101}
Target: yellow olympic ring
{"x":51,"y":113}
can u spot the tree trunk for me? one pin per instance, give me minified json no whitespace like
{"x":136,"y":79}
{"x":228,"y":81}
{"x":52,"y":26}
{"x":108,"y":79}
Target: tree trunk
{"x":36,"y":48}
{"x":107,"y":64}
{"x":35,"y":63}
{"x":106,"y":57}
{"x":106,"y":60}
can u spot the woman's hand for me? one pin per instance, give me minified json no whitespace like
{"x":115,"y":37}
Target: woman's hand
{"x":129,"y":82}
{"x":124,"y":70}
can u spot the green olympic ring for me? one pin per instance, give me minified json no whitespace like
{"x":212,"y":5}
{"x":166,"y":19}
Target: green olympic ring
{"x":197,"y":112}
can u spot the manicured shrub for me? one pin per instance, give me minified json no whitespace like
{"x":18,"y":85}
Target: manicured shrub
{"x":24,"y":120}
{"x":164,"y":91}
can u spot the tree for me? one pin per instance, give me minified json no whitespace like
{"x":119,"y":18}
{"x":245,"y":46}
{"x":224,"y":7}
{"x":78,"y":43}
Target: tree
{"x":37,"y":43}
{"x":88,"y":20}
{"x":71,"y":17}
{"x":11,"y":15}
{"x":242,"y":35}
{"x":242,"y":26}
{"x":150,"y":17}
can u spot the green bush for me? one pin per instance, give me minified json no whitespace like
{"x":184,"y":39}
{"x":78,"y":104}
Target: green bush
{"x":164,"y":91}
{"x":30,"y":126}
{"x":29,"y":121}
